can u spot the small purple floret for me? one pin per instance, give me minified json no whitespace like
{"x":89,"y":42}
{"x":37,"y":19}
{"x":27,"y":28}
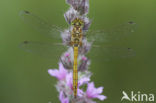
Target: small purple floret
{"x":59,"y":74}
{"x":93,"y":92}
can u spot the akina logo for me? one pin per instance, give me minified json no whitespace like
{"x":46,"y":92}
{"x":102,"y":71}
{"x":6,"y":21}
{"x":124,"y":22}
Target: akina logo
{"x":137,"y":96}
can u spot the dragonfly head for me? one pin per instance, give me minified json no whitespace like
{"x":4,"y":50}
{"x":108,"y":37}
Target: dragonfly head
{"x":78,"y":23}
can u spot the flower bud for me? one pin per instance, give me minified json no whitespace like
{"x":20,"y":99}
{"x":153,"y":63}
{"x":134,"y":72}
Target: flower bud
{"x":67,"y":59}
{"x":84,"y":63}
{"x":70,"y":15}
{"x":82,"y":6}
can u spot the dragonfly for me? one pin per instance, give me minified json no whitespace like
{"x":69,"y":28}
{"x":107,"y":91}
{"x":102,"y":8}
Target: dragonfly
{"x":104,"y":41}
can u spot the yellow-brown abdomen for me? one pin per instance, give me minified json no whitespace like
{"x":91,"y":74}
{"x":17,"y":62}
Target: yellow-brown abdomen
{"x":75,"y":72}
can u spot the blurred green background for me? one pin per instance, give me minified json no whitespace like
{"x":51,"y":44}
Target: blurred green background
{"x":24,"y":77}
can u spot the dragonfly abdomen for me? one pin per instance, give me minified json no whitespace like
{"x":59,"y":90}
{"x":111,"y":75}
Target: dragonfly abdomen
{"x":75,"y":72}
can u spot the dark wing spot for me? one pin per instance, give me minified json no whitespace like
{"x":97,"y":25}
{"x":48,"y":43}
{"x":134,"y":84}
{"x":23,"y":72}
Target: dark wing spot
{"x":25,"y":42}
{"x":129,"y":49}
{"x":27,"y":12}
{"x":131,"y":22}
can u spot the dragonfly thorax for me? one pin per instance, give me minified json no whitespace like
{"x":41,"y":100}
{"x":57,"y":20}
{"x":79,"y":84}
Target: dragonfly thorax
{"x":77,"y":23}
{"x":76,"y":33}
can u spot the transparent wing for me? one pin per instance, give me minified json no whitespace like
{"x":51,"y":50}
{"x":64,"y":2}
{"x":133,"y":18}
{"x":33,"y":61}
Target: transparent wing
{"x":48,"y":50}
{"x":109,"y":53}
{"x":105,"y":46}
{"x":40,"y":25}
{"x":114,"y":34}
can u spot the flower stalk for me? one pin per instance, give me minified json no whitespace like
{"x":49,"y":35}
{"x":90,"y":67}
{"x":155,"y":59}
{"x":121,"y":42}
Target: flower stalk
{"x":86,"y":90}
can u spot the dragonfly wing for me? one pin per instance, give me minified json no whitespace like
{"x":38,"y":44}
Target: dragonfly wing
{"x":109,"y":53}
{"x":39,"y":24}
{"x":114,"y":34}
{"x":48,"y":50}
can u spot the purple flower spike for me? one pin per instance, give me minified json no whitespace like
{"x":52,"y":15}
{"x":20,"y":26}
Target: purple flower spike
{"x":78,"y":10}
{"x":93,"y":92}
{"x":59,"y":74}
{"x":62,"y":98}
